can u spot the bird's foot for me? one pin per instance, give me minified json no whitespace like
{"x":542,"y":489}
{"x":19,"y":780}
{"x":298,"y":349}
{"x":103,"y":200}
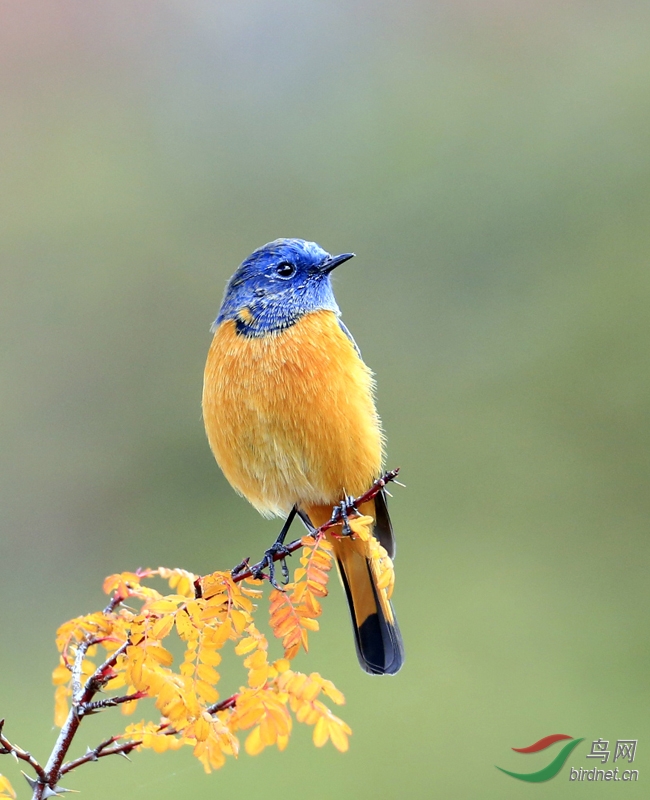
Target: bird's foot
{"x":277,"y":552}
{"x":341,"y":514}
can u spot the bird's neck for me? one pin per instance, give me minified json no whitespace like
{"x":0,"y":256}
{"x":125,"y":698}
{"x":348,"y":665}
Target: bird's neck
{"x":264,"y":315}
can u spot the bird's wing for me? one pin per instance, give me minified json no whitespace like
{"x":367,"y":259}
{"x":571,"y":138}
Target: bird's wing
{"x":350,"y":337}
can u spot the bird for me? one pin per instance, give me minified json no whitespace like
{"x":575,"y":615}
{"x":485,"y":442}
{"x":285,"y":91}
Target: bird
{"x":290,"y":416}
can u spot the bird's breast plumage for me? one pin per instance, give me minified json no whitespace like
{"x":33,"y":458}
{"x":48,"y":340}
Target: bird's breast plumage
{"x":290,"y":416}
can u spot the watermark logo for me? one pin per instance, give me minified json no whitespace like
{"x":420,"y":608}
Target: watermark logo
{"x":552,"y":769}
{"x":624,"y":750}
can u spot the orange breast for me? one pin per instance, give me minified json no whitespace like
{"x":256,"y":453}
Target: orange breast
{"x":290,"y":417}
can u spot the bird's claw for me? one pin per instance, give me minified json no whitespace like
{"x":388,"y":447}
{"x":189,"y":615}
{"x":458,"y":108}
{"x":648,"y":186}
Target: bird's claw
{"x":277,"y":552}
{"x":341,"y":514}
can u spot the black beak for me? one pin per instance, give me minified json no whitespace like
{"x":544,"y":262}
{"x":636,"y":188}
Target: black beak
{"x":333,"y":262}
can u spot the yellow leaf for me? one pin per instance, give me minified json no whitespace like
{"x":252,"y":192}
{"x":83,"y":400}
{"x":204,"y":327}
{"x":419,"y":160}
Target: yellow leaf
{"x":256,"y":660}
{"x":6,"y":789}
{"x":210,"y":657}
{"x":160,"y":655}
{"x":162,"y":627}
{"x":362,"y":527}
{"x":321,"y":732}
{"x":216,"y":600}
{"x":61,"y":705}
{"x":184,"y":625}
{"x":201,"y":729}
{"x":333,"y":693}
{"x":338,"y":731}
{"x":241,"y":601}
{"x":297,"y":683}
{"x":206,"y":692}
{"x":217,"y":637}
{"x":116,"y":683}
{"x":129,"y":708}
{"x":207,"y":673}
{"x":194,"y":608}
{"x":268,"y":732}
{"x":210,"y":613}
{"x":213,"y":584}
{"x":254,"y":744}
{"x":168,"y":694}
{"x":252,"y":592}
{"x":257,"y":677}
{"x":292,"y":651}
{"x":163,"y":606}
{"x":311,"y":689}
{"x":239,"y":620}
{"x":243,"y":647}
{"x":298,"y":592}
{"x":61,"y":675}
{"x":160,"y":743}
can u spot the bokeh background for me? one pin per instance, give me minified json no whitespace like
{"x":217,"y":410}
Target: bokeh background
{"x":489,"y":163}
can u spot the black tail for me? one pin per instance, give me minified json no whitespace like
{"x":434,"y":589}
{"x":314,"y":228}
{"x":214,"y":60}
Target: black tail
{"x":377,"y":636}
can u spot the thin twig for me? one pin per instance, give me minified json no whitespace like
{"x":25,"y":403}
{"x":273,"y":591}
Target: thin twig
{"x":11,"y":749}
{"x":222,"y":704}
{"x":109,"y":702}
{"x":113,"y":603}
{"x":100,"y":751}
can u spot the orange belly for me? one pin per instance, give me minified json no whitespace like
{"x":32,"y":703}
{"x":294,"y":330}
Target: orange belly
{"x":290,"y":417}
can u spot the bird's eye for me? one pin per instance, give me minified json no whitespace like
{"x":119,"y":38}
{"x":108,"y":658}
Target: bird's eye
{"x":285,"y":269}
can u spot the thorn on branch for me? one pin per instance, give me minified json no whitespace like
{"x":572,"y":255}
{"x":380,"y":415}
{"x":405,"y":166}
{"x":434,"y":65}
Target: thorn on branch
{"x":101,"y":751}
{"x":110,"y":702}
{"x":113,"y":603}
{"x":7,"y":748}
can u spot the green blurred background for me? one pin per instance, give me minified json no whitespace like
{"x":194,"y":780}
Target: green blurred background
{"x":489,"y":162}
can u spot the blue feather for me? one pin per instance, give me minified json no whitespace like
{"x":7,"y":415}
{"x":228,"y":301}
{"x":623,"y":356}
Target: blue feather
{"x":277,"y":285}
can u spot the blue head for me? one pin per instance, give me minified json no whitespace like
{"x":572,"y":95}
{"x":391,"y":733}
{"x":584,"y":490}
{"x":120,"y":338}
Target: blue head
{"x":279,"y":283}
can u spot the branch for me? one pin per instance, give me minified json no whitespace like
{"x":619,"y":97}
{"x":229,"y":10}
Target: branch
{"x":229,"y":702}
{"x":81,"y":697}
{"x":222,"y":705}
{"x":109,"y":702}
{"x":113,"y":603}
{"x":244,"y":570}
{"x":100,"y":751}
{"x":11,"y":749}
